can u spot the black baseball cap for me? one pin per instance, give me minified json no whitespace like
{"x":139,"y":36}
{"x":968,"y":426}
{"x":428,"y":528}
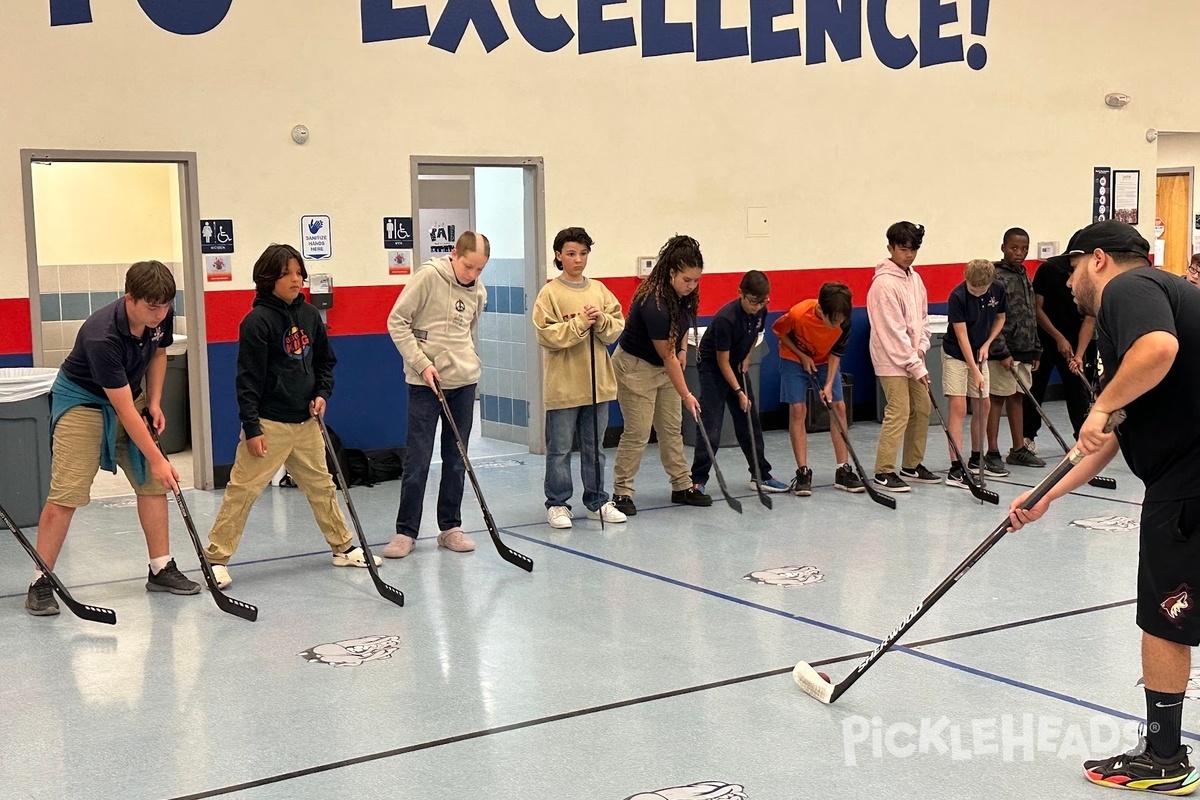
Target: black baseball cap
{"x":1111,"y":237}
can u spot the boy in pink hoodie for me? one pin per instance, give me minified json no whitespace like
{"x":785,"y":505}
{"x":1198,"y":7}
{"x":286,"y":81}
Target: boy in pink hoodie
{"x":898,"y":309}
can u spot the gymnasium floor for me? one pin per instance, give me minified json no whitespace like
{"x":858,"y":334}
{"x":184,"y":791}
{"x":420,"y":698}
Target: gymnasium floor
{"x":633,"y":662}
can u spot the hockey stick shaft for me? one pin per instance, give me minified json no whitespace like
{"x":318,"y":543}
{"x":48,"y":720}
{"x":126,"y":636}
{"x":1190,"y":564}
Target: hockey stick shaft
{"x":595,"y":422}
{"x":977,"y":492}
{"x":733,"y":502}
{"x":836,"y":421}
{"x":1099,"y":481}
{"x":762,"y":496}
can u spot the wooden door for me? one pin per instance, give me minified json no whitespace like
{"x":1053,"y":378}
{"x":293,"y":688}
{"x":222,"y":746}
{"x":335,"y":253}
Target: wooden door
{"x":1172,"y":206}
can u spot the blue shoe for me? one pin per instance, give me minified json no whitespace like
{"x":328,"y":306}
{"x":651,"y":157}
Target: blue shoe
{"x":769,"y":484}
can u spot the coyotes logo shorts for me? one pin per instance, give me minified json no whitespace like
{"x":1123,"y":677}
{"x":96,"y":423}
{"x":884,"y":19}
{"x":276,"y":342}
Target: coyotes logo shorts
{"x":1168,"y":604}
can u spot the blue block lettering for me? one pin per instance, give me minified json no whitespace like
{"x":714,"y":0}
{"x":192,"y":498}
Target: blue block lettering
{"x":70,"y":12}
{"x":934,"y":48}
{"x":662,"y":38}
{"x":457,"y":14}
{"x":842,"y":23}
{"x":714,"y":42}
{"x":767,"y":44}
{"x":544,"y":33}
{"x":597,"y":33}
{"x":382,"y":23}
{"x":186,"y":19}
{"x":893,"y":52}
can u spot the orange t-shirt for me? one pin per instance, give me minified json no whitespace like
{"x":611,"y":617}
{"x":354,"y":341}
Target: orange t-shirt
{"x":810,"y":333}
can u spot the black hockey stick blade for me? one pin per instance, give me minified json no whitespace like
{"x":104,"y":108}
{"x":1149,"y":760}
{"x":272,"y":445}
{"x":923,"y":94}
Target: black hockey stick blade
{"x":507,"y":553}
{"x":386,"y":590}
{"x":750,"y":416}
{"x":867,"y":482}
{"x":1100,"y":481}
{"x":85,"y":612}
{"x":977,"y":491}
{"x":224,"y":602}
{"x":1103,"y":482}
{"x":814,"y":685}
{"x":733,"y":502}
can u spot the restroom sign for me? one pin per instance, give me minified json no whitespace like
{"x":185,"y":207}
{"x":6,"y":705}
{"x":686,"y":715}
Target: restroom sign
{"x":397,"y":233}
{"x":316,"y":237}
{"x":216,"y":236}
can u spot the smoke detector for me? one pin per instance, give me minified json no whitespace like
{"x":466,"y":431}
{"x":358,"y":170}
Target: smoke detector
{"x":1116,"y":100}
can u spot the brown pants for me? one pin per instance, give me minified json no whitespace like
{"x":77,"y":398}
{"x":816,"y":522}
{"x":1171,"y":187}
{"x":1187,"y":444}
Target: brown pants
{"x":907,"y":417}
{"x":301,"y":448}
{"x":648,"y":397}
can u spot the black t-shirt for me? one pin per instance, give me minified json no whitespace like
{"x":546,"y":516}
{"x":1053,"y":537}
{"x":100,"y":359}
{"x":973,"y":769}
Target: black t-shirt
{"x":107,"y":356}
{"x":648,"y":320}
{"x":731,"y":329}
{"x":1160,"y":437}
{"x":978,"y":313}
{"x":1050,"y":283}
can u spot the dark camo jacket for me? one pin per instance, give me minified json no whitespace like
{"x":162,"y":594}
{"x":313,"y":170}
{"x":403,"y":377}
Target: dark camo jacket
{"x":1019,"y":338}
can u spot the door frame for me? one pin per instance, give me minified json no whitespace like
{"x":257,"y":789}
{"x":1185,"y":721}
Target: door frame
{"x":535,"y":268}
{"x":1190,"y":172}
{"x":189,"y":224}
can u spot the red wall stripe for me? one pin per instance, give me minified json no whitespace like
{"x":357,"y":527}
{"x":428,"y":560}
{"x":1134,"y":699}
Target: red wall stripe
{"x":16,"y":330}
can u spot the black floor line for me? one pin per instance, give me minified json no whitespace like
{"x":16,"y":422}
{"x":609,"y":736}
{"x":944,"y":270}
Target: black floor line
{"x":582,"y":712}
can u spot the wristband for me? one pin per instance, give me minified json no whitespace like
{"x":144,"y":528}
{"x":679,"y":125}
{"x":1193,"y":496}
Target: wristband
{"x":739,"y":390}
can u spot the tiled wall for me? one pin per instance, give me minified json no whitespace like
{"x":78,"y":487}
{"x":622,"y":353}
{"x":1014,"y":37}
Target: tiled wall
{"x":504,"y":336}
{"x":69,"y":294}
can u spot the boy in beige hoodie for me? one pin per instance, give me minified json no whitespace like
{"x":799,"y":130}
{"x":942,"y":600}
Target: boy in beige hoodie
{"x":433,"y":325}
{"x":898,"y":308}
{"x":575,"y":318}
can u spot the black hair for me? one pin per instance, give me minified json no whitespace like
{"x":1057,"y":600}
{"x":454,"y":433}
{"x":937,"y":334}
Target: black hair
{"x":577,"y":235}
{"x":272,"y":264}
{"x":150,"y":281}
{"x":906,"y":234}
{"x":835,"y":301}
{"x":679,"y":253}
{"x":755,"y":283}
{"x":1124,"y":259}
{"x":1011,"y":232}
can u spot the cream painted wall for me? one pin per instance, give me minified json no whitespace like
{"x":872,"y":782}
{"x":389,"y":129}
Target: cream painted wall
{"x":91,"y":213}
{"x":499,"y":209}
{"x":635,"y":148}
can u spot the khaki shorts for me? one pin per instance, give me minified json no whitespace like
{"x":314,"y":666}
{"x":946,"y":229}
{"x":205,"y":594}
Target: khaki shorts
{"x":956,"y":378}
{"x":1003,"y":384}
{"x":76,"y":457}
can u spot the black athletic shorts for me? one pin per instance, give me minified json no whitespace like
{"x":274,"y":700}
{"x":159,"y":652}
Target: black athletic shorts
{"x":1169,"y":571}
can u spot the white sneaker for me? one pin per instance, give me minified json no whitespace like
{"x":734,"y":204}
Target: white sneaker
{"x":221,"y":574}
{"x":609,"y":511}
{"x":559,"y":517}
{"x":354,"y":557}
{"x":1031,"y":446}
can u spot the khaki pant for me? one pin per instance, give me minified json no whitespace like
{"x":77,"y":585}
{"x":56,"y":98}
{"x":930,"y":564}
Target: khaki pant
{"x":907,"y":417}
{"x":299,"y":447}
{"x":76,"y":457}
{"x":648,"y":397}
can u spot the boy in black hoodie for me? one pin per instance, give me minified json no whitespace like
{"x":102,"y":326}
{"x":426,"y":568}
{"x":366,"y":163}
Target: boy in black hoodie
{"x":284,"y":378}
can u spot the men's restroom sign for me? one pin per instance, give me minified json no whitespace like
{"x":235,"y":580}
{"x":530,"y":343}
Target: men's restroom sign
{"x":316,"y":237}
{"x":397,"y":233}
{"x":216,"y":236}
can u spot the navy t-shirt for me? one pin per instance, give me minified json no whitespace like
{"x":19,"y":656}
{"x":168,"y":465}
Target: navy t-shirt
{"x":1160,"y":437}
{"x":731,"y":329}
{"x":648,"y":320}
{"x":978,"y":313}
{"x":107,"y":356}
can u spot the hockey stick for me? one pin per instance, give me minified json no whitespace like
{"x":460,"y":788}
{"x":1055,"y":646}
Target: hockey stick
{"x":734,"y":503}
{"x":386,"y":590}
{"x":835,"y":420}
{"x":1100,"y":481}
{"x":595,"y":423}
{"x":978,"y":410}
{"x":810,"y":680}
{"x":81,"y":610}
{"x":506,"y":552}
{"x":979,"y":493}
{"x":750,"y":415}
{"x":223,"y":601}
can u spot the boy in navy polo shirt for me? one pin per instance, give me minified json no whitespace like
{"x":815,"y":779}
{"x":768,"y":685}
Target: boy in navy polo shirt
{"x":977,"y":309}
{"x":724,"y":348}
{"x":96,"y":422}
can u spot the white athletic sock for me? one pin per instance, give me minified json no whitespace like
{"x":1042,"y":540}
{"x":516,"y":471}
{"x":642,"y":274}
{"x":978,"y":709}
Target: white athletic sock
{"x":157,"y":564}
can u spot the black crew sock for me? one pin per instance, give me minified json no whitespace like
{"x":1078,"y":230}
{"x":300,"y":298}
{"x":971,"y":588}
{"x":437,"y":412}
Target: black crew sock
{"x":1164,"y":718}
{"x":974,"y":455}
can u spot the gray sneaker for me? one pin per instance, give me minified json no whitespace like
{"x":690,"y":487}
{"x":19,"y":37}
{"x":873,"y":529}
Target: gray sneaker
{"x":170,"y":579}
{"x":1024,"y":458}
{"x":40,"y":600}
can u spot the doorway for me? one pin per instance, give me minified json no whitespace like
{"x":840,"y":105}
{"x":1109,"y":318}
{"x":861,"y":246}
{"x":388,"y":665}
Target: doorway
{"x":504,"y":199}
{"x":88,"y":216}
{"x":1173,"y":215}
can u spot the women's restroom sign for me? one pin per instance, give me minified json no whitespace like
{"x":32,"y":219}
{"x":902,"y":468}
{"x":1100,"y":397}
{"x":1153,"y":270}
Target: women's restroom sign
{"x":398,"y":242}
{"x":216,"y":244}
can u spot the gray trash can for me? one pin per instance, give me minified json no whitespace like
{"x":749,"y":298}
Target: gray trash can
{"x":933,"y":363}
{"x":692,"y":376}
{"x":175,"y":403}
{"x":25,"y":441}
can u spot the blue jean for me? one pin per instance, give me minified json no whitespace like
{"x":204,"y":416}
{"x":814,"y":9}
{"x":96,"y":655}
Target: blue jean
{"x":563,"y":426}
{"x":715,"y":395}
{"x":424,"y":410}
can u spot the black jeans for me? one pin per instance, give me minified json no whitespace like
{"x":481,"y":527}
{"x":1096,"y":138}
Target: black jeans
{"x":715,"y":395}
{"x":1076,"y":394}
{"x":424,"y":410}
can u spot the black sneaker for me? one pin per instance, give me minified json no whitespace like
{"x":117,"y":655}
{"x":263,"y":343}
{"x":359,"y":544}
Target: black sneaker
{"x":919,"y":474}
{"x":801,"y":485}
{"x":170,"y":579}
{"x":847,"y":480}
{"x":690,"y":497}
{"x":993,"y":465}
{"x":1022,"y":457}
{"x":890,"y":482}
{"x":624,"y":504}
{"x":40,"y":600}
{"x":956,"y":478}
{"x":1142,"y":770}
